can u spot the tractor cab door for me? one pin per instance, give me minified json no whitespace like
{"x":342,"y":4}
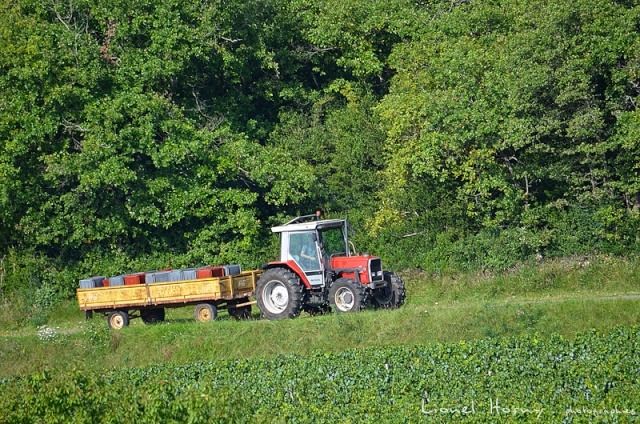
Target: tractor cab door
{"x":302,"y":247}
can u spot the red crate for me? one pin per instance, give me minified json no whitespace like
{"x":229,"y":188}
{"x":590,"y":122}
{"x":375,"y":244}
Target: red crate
{"x":204,"y":272}
{"x":210,"y":272}
{"x":105,"y":282}
{"x":132,"y":279}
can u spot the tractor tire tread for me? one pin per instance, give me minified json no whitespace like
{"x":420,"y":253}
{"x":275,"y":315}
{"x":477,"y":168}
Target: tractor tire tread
{"x":295,"y":289}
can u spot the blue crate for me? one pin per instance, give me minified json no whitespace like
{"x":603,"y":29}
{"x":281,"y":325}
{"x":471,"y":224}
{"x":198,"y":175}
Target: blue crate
{"x":232,"y":269}
{"x":87,"y":283}
{"x":158,"y":277}
{"x":116,"y":281}
{"x":98,"y":280}
{"x":189,"y":274}
{"x":175,"y":275}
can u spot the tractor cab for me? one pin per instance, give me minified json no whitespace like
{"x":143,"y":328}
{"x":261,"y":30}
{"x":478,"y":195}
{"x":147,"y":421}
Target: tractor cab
{"x":321,"y":250}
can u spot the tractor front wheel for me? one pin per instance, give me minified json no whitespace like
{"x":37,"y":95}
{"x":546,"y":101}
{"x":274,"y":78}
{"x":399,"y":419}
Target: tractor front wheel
{"x":347,"y":295}
{"x":279,"y":294}
{"x":391,"y":295}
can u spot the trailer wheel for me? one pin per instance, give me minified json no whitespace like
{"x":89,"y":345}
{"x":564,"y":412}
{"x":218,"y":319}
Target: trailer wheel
{"x":152,"y":316}
{"x":206,"y":312}
{"x":279,"y":294}
{"x":347,"y":295}
{"x":117,"y":319}
{"x":392,"y":295}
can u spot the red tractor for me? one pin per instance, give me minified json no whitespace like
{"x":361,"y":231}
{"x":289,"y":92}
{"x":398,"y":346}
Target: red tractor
{"x":318,"y":270}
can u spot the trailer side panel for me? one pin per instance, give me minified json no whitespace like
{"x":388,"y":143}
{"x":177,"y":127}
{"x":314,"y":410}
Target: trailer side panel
{"x":172,"y":293}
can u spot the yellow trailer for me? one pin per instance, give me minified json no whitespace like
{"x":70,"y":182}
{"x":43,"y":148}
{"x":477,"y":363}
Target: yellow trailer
{"x":120,"y":303}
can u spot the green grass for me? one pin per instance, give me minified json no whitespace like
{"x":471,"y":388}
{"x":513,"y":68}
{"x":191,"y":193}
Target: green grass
{"x":564,"y":296}
{"x":561,"y":278}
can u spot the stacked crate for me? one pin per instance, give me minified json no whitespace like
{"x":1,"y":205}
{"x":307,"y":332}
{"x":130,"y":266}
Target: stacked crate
{"x":162,"y":276}
{"x":132,"y":279}
{"x":116,"y":281}
{"x":158,"y":277}
{"x":90,"y":283}
{"x":232,"y":269}
{"x":210,"y":272}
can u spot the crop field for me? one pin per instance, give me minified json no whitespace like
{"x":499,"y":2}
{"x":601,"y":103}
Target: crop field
{"x":557,"y":342}
{"x":526,"y":379}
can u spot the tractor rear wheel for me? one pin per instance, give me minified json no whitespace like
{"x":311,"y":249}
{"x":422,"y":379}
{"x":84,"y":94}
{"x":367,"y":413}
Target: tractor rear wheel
{"x":279,"y":294}
{"x":392,"y":295}
{"x":347,"y":295}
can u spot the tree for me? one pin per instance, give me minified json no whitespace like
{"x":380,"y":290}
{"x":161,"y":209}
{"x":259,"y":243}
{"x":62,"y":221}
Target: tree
{"x":512,"y":106}
{"x":123,"y":130}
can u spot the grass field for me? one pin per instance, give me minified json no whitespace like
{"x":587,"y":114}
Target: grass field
{"x":561,"y":296}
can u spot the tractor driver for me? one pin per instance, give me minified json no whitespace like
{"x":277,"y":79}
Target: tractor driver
{"x":308,"y":254}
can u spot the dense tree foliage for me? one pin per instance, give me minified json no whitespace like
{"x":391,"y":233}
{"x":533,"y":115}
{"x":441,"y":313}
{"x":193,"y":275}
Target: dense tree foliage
{"x":523,"y":116}
{"x":159,"y":132}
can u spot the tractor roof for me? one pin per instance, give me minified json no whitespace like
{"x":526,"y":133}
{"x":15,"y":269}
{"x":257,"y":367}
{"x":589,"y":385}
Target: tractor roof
{"x":295,"y":225}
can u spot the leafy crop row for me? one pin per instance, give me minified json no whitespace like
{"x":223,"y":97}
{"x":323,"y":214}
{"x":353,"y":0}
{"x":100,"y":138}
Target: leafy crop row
{"x":549,"y":379}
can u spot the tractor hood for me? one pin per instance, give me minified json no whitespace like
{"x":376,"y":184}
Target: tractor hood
{"x":368,"y":268}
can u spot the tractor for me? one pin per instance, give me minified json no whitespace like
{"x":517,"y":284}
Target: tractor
{"x":320,"y":270}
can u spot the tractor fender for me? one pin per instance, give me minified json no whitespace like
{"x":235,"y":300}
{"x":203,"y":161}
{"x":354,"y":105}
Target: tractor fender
{"x":293,"y":267}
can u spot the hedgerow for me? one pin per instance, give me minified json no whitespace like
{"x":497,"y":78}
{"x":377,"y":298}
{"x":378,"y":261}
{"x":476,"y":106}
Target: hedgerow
{"x":589,"y":378}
